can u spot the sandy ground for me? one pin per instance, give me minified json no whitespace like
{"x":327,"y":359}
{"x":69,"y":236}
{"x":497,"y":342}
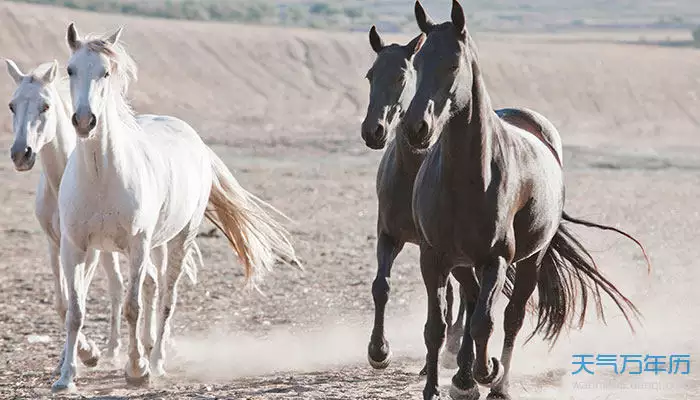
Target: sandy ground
{"x":282,"y":108}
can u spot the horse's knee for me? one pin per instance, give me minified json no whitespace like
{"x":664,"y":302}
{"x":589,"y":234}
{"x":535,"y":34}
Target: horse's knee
{"x":380,"y":290}
{"x":435,"y":332}
{"x":132,"y":309}
{"x":74,"y":319}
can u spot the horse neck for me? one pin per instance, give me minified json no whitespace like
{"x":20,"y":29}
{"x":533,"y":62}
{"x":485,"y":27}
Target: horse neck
{"x":103,"y":153}
{"x":407,"y":157}
{"x":54,"y":155}
{"x":470,"y":134}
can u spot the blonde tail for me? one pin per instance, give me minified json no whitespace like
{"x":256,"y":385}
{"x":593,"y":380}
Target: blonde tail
{"x":258,"y":240}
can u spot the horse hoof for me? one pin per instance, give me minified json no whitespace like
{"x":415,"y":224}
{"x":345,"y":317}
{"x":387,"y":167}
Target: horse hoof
{"x":90,"y":357}
{"x":379,"y":355}
{"x":498,"y":396}
{"x":464,"y":394}
{"x":379,"y":364}
{"x":60,"y":387}
{"x":138,"y":381}
{"x":91,"y":362}
{"x":494,"y":377}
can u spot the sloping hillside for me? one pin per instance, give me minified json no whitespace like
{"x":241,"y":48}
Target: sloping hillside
{"x":233,"y":78}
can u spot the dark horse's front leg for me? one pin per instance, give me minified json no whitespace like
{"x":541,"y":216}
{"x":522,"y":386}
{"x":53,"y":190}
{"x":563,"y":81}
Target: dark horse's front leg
{"x":378,"y":351}
{"x":454,"y":331}
{"x":435,"y":271}
{"x":464,"y":387}
{"x":487,"y":371}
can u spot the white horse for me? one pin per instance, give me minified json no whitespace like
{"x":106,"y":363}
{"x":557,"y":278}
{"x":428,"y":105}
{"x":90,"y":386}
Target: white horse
{"x":41,"y":123}
{"x":131,"y":185}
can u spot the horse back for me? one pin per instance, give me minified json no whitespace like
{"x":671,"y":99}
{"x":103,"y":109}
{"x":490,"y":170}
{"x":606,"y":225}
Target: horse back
{"x":536,"y":124}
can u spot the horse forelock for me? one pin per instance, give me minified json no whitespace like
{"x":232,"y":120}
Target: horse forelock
{"x":125,"y":69}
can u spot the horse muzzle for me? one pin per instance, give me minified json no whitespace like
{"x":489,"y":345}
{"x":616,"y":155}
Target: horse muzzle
{"x":84,"y":124}
{"x":375,"y":138}
{"x":419,"y":135}
{"x":23,"y":159}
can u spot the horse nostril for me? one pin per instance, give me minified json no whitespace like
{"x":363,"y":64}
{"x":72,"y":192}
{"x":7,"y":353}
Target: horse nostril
{"x":379,"y":133}
{"x":421,"y":128}
{"x":74,"y":120}
{"x":28,"y":152}
{"x":93,"y":121}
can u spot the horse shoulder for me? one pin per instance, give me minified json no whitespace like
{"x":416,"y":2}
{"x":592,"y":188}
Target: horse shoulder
{"x":428,"y":196}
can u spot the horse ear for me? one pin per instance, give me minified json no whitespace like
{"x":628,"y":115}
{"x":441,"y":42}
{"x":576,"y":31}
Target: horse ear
{"x":425,"y":23}
{"x":72,"y":37}
{"x":375,"y":40}
{"x":114,"y":37}
{"x":414,"y":45}
{"x":14,"y":71}
{"x":458,"y":19}
{"x":50,"y":74}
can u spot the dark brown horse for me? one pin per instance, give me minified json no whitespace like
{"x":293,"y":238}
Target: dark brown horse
{"x":489,"y":194}
{"x":392,"y":86}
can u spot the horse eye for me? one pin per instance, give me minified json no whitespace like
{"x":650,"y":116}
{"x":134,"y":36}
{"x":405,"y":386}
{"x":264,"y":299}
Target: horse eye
{"x":44,"y":108}
{"x":106,"y":74}
{"x":12,"y":108}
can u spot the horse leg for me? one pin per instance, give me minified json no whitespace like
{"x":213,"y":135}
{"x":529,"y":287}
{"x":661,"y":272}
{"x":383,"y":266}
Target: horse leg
{"x":487,"y":371}
{"x":110,"y":263}
{"x":150,"y":300}
{"x":455,"y":328}
{"x":177,"y":249}
{"x":137,"y":371}
{"x":60,"y":294}
{"x":464,"y":387}
{"x":378,"y":351}
{"x":448,"y":356}
{"x":73,"y":260}
{"x":525,"y":282}
{"x":435,"y":274}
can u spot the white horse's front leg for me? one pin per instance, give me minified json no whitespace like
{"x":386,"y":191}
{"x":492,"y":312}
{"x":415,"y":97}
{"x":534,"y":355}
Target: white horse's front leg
{"x":110,"y":263}
{"x":88,"y":351}
{"x":137,"y":371}
{"x":60,"y":302}
{"x":73,"y":260}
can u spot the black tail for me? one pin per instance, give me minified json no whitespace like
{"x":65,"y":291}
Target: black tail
{"x":567,"y":274}
{"x":568,"y":218}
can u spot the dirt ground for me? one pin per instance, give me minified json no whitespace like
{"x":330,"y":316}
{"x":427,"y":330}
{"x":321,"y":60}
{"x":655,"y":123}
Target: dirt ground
{"x":282,"y":108}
